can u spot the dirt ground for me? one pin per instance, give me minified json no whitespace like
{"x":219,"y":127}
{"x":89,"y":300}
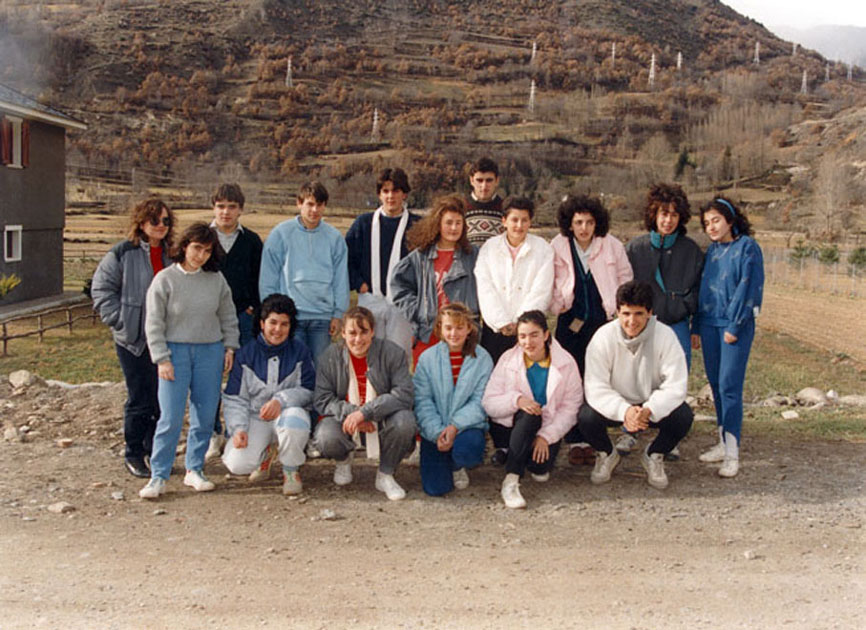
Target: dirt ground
{"x":780,"y":546}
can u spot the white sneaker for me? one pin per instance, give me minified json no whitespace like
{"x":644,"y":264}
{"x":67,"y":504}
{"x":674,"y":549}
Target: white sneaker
{"x":388,"y":485}
{"x":626,"y":443}
{"x":292,"y":483}
{"x":215,"y":447}
{"x":540,"y":478}
{"x":461,"y":478}
{"x":196,"y":480}
{"x":153,"y":489}
{"x":263,"y":472}
{"x":715,"y":454}
{"x":511,"y":492}
{"x":312,"y":451}
{"x":604,"y":465}
{"x":343,"y":471}
{"x":729,"y":468}
{"x":654,"y":465}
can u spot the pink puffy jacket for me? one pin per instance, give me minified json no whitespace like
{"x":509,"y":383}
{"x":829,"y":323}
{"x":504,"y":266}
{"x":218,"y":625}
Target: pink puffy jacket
{"x":608,"y":264}
{"x":564,"y":391}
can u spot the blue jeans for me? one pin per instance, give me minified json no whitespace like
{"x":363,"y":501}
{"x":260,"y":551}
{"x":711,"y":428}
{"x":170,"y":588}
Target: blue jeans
{"x":197,"y":371}
{"x":314,"y":333}
{"x":437,"y":467}
{"x":683,"y":332}
{"x":725,"y":364}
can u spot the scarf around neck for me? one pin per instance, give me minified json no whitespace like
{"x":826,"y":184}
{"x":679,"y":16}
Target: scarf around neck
{"x":375,"y":254}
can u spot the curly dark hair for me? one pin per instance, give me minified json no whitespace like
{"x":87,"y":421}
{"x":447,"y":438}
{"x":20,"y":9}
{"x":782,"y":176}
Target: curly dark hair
{"x":425,"y":232}
{"x":582,"y":204}
{"x":282,"y":305}
{"x":662,"y":195}
{"x":200,"y":232}
{"x":739,"y":222}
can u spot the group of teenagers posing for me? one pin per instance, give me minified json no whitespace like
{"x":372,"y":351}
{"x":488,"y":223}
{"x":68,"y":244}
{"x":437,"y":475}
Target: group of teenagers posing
{"x":184,"y":312}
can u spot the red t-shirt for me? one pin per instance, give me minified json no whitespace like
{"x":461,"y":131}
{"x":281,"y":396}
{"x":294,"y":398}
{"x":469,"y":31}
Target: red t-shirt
{"x":359,"y":366}
{"x":156,"y":259}
{"x":441,"y":264}
{"x":456,"y":364}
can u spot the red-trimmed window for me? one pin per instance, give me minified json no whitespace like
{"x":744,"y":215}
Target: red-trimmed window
{"x":14,"y":142}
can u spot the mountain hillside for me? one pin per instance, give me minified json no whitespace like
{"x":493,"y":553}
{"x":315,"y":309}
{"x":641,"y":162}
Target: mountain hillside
{"x":179,"y":93}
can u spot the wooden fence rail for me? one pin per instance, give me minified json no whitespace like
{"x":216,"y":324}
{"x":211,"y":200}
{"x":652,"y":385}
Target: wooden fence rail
{"x":41,"y":327}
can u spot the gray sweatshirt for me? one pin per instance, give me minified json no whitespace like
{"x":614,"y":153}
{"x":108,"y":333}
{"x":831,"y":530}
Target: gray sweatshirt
{"x":189,"y":308}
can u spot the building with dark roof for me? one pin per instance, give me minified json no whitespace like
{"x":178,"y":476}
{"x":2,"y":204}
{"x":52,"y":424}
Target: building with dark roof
{"x":32,"y":193}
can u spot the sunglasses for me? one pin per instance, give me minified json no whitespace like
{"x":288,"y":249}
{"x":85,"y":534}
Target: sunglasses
{"x":166,"y":221}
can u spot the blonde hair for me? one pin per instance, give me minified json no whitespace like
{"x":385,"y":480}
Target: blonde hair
{"x":460,"y":312}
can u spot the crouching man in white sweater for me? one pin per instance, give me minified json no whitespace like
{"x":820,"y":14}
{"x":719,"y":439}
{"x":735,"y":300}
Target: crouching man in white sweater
{"x":636,"y":378}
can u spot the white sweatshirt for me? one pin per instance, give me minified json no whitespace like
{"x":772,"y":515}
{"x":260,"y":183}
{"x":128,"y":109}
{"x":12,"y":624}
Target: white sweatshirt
{"x":648,"y":370}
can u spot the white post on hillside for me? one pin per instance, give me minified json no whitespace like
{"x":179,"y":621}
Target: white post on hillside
{"x":531,"y":106}
{"x":534,"y":51}
{"x":827,"y":72}
{"x":652,"y":72}
{"x":757,"y":59}
{"x":793,"y":49}
{"x":289,"y":73}
{"x":613,"y":54}
{"x":850,"y":72}
{"x":804,"y":86}
{"x":679,"y":61}
{"x":375,"y":133}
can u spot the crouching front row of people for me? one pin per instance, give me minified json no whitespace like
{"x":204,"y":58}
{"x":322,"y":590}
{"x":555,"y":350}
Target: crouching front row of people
{"x":636,"y":379}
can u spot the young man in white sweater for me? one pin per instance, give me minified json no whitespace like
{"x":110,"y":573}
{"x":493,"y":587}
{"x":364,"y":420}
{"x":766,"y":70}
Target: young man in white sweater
{"x":636,"y":378}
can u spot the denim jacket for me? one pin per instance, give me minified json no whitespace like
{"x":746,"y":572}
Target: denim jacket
{"x":413,"y":287}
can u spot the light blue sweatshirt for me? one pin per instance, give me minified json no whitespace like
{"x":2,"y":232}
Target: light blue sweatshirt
{"x":309,"y":266}
{"x":439,"y":402}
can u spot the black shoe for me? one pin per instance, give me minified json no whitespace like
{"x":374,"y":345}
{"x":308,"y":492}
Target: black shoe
{"x":499,"y":456}
{"x":137,"y":467}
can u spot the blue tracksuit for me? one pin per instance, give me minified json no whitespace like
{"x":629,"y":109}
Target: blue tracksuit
{"x":732,"y":288}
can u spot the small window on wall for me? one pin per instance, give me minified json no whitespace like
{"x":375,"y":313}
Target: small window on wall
{"x":12,"y":243}
{"x":14,"y":142}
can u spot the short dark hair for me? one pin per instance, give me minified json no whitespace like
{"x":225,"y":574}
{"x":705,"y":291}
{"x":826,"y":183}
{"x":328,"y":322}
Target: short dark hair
{"x":740,"y":223}
{"x":200,"y":232}
{"x":663,"y":195}
{"x":518,"y":203}
{"x":396,"y":176}
{"x":282,"y":305}
{"x":635,"y":293}
{"x":359,"y":314}
{"x":228,"y":192}
{"x":582,"y":204}
{"x":316,"y":190}
{"x":484,"y":165}
{"x":536,"y":317}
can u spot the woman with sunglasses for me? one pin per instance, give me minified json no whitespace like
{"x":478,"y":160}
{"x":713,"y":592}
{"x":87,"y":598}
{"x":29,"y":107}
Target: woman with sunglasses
{"x":118,"y":289}
{"x":732,"y":288}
